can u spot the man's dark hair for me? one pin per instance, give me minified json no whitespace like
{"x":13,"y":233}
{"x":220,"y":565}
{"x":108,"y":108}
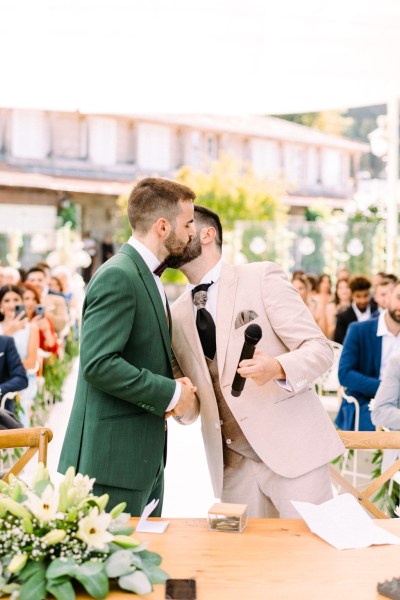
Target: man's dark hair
{"x":153,"y":198}
{"x":359,"y":284}
{"x":208,"y":218}
{"x":392,"y":277}
{"x":36,"y":270}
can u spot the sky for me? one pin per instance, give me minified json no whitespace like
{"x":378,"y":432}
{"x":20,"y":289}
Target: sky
{"x":208,"y":56}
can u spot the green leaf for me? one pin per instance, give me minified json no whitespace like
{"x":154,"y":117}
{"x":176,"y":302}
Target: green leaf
{"x":136,"y":582}
{"x":34,"y":588}
{"x":118,"y":563}
{"x":31,"y":569}
{"x":95,"y":584}
{"x":90,"y":568}
{"x":120,"y":529}
{"x":41,"y":486}
{"x":61,"y":591}
{"x":150,"y":558}
{"x":58,"y":568}
{"x":9,"y":588}
{"x":155,"y":574}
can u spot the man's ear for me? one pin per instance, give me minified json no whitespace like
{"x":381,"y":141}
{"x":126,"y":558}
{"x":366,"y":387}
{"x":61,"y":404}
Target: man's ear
{"x":162,"y":227}
{"x":207,"y":235}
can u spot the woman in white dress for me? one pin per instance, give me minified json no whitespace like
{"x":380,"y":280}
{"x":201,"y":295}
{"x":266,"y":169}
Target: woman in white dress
{"x":26,"y":337}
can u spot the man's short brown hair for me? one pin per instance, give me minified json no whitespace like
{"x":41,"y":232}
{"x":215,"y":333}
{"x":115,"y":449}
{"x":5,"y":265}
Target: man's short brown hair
{"x":153,"y":198}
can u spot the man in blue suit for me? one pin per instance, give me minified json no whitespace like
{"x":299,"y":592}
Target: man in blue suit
{"x":13,"y":376}
{"x":367,"y":348}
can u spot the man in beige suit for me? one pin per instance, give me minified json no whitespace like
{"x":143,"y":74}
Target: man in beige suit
{"x":273,"y":443}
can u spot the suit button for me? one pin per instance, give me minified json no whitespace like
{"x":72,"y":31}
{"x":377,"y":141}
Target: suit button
{"x":229,"y":442}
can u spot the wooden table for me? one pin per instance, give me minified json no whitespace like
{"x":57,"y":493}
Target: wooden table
{"x":273,"y":559}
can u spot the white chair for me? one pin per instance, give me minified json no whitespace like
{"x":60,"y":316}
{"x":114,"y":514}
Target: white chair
{"x":352,"y":471}
{"x":327,"y":386}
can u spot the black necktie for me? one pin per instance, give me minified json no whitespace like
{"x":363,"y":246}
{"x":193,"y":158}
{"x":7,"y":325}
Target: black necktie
{"x":204,"y":321}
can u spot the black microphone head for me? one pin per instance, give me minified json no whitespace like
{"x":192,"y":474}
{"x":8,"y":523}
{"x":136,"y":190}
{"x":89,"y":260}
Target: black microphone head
{"x":253,"y":334}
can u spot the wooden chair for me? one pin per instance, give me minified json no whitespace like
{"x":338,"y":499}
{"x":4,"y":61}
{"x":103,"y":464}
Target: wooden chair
{"x":369,"y":440}
{"x":35,"y":439}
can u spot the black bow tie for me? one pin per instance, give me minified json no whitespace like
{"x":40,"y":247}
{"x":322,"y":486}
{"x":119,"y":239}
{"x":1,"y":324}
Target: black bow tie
{"x":161,"y":268}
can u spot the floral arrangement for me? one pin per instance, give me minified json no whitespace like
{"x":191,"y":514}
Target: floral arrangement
{"x":52,"y":538}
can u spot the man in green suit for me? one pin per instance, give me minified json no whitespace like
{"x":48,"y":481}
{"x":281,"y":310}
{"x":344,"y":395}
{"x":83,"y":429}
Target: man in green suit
{"x":125,"y":391}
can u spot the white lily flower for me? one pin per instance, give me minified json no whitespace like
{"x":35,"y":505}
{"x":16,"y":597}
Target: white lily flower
{"x":93,"y":529}
{"x":44,"y":507}
{"x":81,"y":487}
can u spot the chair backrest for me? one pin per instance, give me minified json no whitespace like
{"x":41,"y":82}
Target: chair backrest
{"x":35,"y":439}
{"x":369,"y":440}
{"x":328,"y":382}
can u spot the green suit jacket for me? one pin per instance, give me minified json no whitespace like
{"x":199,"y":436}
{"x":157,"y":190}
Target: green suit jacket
{"x":116,"y":431}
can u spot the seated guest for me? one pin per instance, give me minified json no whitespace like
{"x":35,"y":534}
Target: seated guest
{"x":367,"y":349}
{"x":382,"y":294}
{"x":55,"y":305}
{"x":322,"y":298}
{"x":386,"y":410}
{"x":302,"y":285}
{"x":26,"y":337}
{"x":359,"y":310}
{"x":11,"y":276}
{"x":13,"y":376}
{"x":47,"y":336}
{"x":340,"y":303}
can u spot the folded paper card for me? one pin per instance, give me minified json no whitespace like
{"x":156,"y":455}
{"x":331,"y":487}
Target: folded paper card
{"x":343,"y":523}
{"x":146,"y":526}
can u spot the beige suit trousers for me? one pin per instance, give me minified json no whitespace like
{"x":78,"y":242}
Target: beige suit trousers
{"x":269,"y":495}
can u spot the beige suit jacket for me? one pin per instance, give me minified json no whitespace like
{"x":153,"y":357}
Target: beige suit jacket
{"x":289,"y":430}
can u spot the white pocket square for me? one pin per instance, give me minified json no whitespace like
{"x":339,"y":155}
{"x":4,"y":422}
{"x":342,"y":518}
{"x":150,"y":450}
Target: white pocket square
{"x":1,"y":354}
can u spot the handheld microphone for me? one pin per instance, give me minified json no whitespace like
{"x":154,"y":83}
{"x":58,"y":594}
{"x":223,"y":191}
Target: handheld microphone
{"x":252,"y":336}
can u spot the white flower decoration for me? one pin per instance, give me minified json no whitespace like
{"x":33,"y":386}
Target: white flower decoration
{"x":93,"y":529}
{"x":43,"y":507}
{"x":81,"y":488}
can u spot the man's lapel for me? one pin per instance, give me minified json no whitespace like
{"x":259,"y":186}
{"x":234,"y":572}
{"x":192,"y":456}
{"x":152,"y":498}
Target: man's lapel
{"x":225,"y":308}
{"x":152,"y":289}
{"x":377,"y":347}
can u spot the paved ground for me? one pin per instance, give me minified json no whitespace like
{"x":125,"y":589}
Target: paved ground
{"x":188,"y":490}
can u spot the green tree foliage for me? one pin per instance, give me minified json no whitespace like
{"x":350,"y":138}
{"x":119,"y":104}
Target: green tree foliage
{"x":234,"y":193}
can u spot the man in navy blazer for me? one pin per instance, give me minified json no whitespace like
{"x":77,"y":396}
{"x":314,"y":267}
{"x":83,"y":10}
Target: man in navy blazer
{"x":367,"y":348}
{"x":13,"y":376}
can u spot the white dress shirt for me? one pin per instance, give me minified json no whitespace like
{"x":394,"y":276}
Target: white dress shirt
{"x":390,"y":342}
{"x":152,"y":262}
{"x":361,"y":316}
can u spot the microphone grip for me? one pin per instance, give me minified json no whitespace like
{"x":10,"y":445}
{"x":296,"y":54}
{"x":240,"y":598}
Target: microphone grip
{"x":239,"y":381}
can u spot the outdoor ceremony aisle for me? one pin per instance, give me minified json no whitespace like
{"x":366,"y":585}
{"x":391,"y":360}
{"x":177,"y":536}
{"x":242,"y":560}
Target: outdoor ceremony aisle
{"x":188,"y":490}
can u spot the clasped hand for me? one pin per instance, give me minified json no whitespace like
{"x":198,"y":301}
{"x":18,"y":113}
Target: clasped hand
{"x":187,"y":399}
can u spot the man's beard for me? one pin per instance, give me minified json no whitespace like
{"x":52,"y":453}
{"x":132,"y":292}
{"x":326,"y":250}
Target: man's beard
{"x":190,"y":252}
{"x":395,"y":315}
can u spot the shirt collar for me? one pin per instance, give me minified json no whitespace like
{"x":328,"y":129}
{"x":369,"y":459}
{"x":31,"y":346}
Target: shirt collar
{"x":358,"y":312}
{"x":149,"y":258}
{"x":382,"y":327}
{"x":213,"y":275}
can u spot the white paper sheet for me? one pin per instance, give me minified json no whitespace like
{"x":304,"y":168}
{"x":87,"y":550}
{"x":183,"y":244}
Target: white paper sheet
{"x":343,"y":523}
{"x":151,"y":526}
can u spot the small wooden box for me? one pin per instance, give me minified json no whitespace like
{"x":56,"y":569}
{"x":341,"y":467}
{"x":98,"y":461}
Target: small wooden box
{"x":227,"y":517}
